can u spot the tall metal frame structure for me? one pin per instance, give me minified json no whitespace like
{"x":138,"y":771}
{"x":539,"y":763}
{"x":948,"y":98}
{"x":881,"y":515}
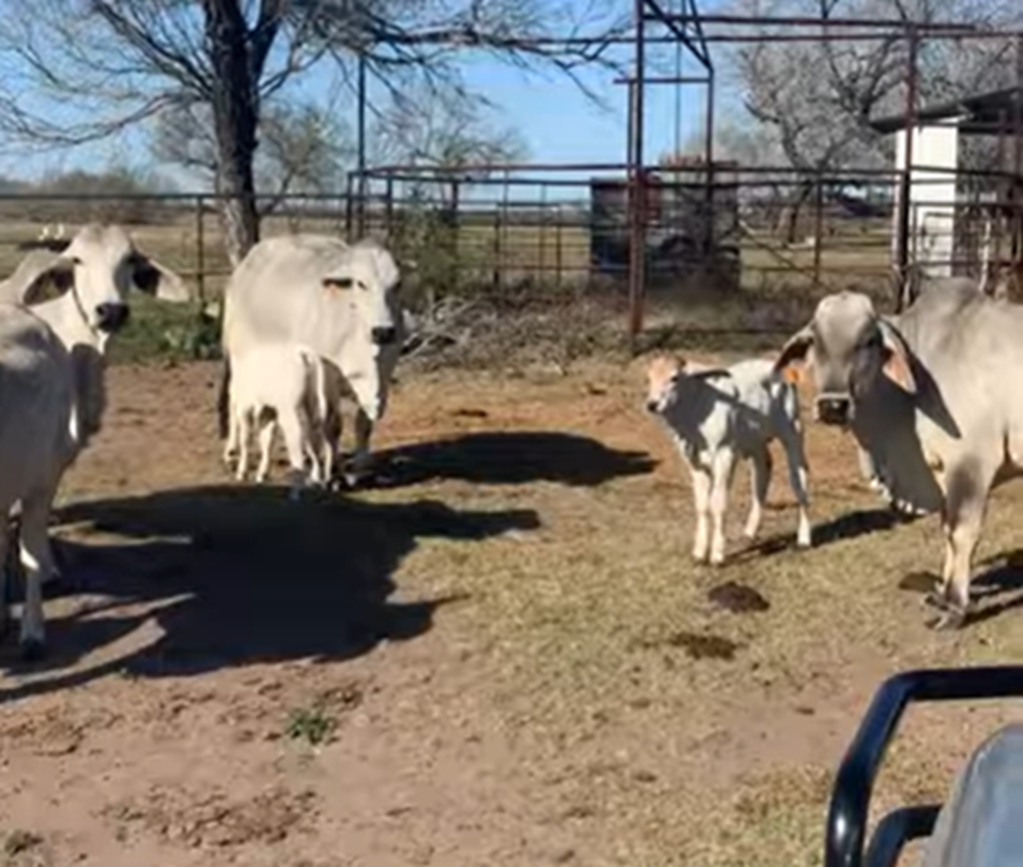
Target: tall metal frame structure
{"x":685,"y":27}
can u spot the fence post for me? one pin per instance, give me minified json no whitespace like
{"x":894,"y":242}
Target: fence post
{"x":200,"y":250}
{"x":818,"y":230}
{"x":349,"y":204}
{"x":558,"y":260}
{"x":495,"y":263}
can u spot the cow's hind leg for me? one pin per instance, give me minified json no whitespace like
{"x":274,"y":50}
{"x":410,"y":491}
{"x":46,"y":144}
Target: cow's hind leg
{"x":795,"y":457}
{"x":760,"y":475}
{"x":967,"y":485}
{"x":359,"y":465}
{"x":37,"y":560}
{"x":6,"y":574}
{"x":295,"y":431}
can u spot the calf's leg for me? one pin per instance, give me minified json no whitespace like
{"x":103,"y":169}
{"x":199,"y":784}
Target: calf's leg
{"x":266,"y":447}
{"x":701,"y":479}
{"x":723,"y":470}
{"x":760,"y":475}
{"x":795,"y":458}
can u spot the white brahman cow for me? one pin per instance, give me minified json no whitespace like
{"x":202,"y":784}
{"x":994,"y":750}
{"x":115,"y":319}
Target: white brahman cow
{"x":337,"y":299}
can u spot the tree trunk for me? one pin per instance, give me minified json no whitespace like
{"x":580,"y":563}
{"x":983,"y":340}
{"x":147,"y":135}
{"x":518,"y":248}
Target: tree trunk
{"x":235,"y":119}
{"x":795,"y":208}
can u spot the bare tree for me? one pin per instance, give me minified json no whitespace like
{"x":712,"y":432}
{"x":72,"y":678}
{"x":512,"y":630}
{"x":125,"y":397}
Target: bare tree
{"x":303,"y":149}
{"x":119,"y":62}
{"x":447,"y":134}
{"x":814,"y":100}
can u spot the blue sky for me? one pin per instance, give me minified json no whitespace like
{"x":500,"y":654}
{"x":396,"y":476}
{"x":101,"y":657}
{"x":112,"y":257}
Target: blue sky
{"x":556,"y":120}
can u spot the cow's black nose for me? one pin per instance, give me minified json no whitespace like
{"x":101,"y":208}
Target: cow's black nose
{"x":651,"y":406}
{"x":834,"y":410}
{"x":383,"y":335}
{"x":111,"y":317}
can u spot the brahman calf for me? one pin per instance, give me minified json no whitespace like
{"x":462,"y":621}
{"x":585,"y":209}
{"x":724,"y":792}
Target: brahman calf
{"x":720,"y":415}
{"x":279,"y":384}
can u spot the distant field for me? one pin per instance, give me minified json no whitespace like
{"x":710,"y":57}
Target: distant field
{"x":778,"y":281}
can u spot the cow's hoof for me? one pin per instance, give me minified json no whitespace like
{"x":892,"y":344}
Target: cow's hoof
{"x":951,"y":619}
{"x":358,"y":480}
{"x":32,"y":650}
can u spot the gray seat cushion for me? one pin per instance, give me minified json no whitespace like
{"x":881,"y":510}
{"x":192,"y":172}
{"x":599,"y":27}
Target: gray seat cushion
{"x":981,"y":825}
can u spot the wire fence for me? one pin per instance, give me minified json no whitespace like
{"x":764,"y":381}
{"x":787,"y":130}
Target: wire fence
{"x":763,"y":242}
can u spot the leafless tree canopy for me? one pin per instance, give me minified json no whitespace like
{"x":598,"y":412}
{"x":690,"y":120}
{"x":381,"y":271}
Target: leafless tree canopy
{"x":118,"y":63}
{"x":813,"y":100}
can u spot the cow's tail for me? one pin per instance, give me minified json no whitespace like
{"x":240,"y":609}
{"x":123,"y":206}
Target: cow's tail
{"x":223,"y":398}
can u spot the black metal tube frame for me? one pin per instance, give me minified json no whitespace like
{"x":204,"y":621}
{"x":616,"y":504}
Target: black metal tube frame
{"x":850,"y":798}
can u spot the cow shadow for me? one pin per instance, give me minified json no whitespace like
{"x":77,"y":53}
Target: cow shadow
{"x":994,"y":591}
{"x":848,"y":525}
{"x":999,"y":589}
{"x":235,"y":576}
{"x":511,"y":457}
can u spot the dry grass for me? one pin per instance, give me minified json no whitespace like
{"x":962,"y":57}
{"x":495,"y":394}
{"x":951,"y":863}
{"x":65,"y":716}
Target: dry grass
{"x":581,"y":696}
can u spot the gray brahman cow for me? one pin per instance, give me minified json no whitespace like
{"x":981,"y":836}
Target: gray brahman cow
{"x":930,"y":395}
{"x":37,"y":444}
{"x":337,"y":299}
{"x":718,"y":416}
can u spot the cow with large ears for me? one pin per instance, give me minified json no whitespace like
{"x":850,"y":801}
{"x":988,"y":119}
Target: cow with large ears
{"x":91,"y":277}
{"x":928,"y":395}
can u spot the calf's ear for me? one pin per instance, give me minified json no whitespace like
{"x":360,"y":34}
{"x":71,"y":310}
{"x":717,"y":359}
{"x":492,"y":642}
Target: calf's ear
{"x":896,"y":359}
{"x":793,"y":354}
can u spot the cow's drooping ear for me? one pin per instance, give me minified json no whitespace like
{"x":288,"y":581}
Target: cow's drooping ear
{"x":793,"y":354}
{"x":896,"y":358}
{"x":154,"y":279}
{"x":41,"y":275}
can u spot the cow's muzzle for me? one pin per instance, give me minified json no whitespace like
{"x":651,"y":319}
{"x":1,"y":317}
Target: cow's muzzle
{"x":834,"y":409}
{"x":384,"y":335}
{"x":111,"y":317}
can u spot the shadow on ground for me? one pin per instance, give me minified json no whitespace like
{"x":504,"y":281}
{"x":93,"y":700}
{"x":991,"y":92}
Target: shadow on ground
{"x":511,"y":457}
{"x":848,"y":525}
{"x":241,"y":575}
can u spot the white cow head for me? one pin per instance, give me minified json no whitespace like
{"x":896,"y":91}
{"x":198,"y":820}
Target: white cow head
{"x":847,"y":346}
{"x":100,"y":265}
{"x":364,"y":280}
{"x":671,"y":379}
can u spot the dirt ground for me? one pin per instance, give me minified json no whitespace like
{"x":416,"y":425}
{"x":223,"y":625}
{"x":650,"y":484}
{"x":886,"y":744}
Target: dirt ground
{"x":501,"y":657}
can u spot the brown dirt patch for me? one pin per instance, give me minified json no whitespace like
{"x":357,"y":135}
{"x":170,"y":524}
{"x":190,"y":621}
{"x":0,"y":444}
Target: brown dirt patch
{"x":505,"y":657}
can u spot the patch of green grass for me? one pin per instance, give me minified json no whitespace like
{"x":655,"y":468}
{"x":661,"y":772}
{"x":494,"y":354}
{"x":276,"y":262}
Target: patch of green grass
{"x":313,"y":725}
{"x":159,"y":331}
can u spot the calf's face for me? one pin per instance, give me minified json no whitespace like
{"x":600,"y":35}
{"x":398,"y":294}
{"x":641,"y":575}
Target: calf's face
{"x":845,"y":347}
{"x":661,"y":374}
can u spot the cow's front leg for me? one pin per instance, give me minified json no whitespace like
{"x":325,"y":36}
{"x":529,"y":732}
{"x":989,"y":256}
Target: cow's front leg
{"x":701,"y":479}
{"x":723,"y":468}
